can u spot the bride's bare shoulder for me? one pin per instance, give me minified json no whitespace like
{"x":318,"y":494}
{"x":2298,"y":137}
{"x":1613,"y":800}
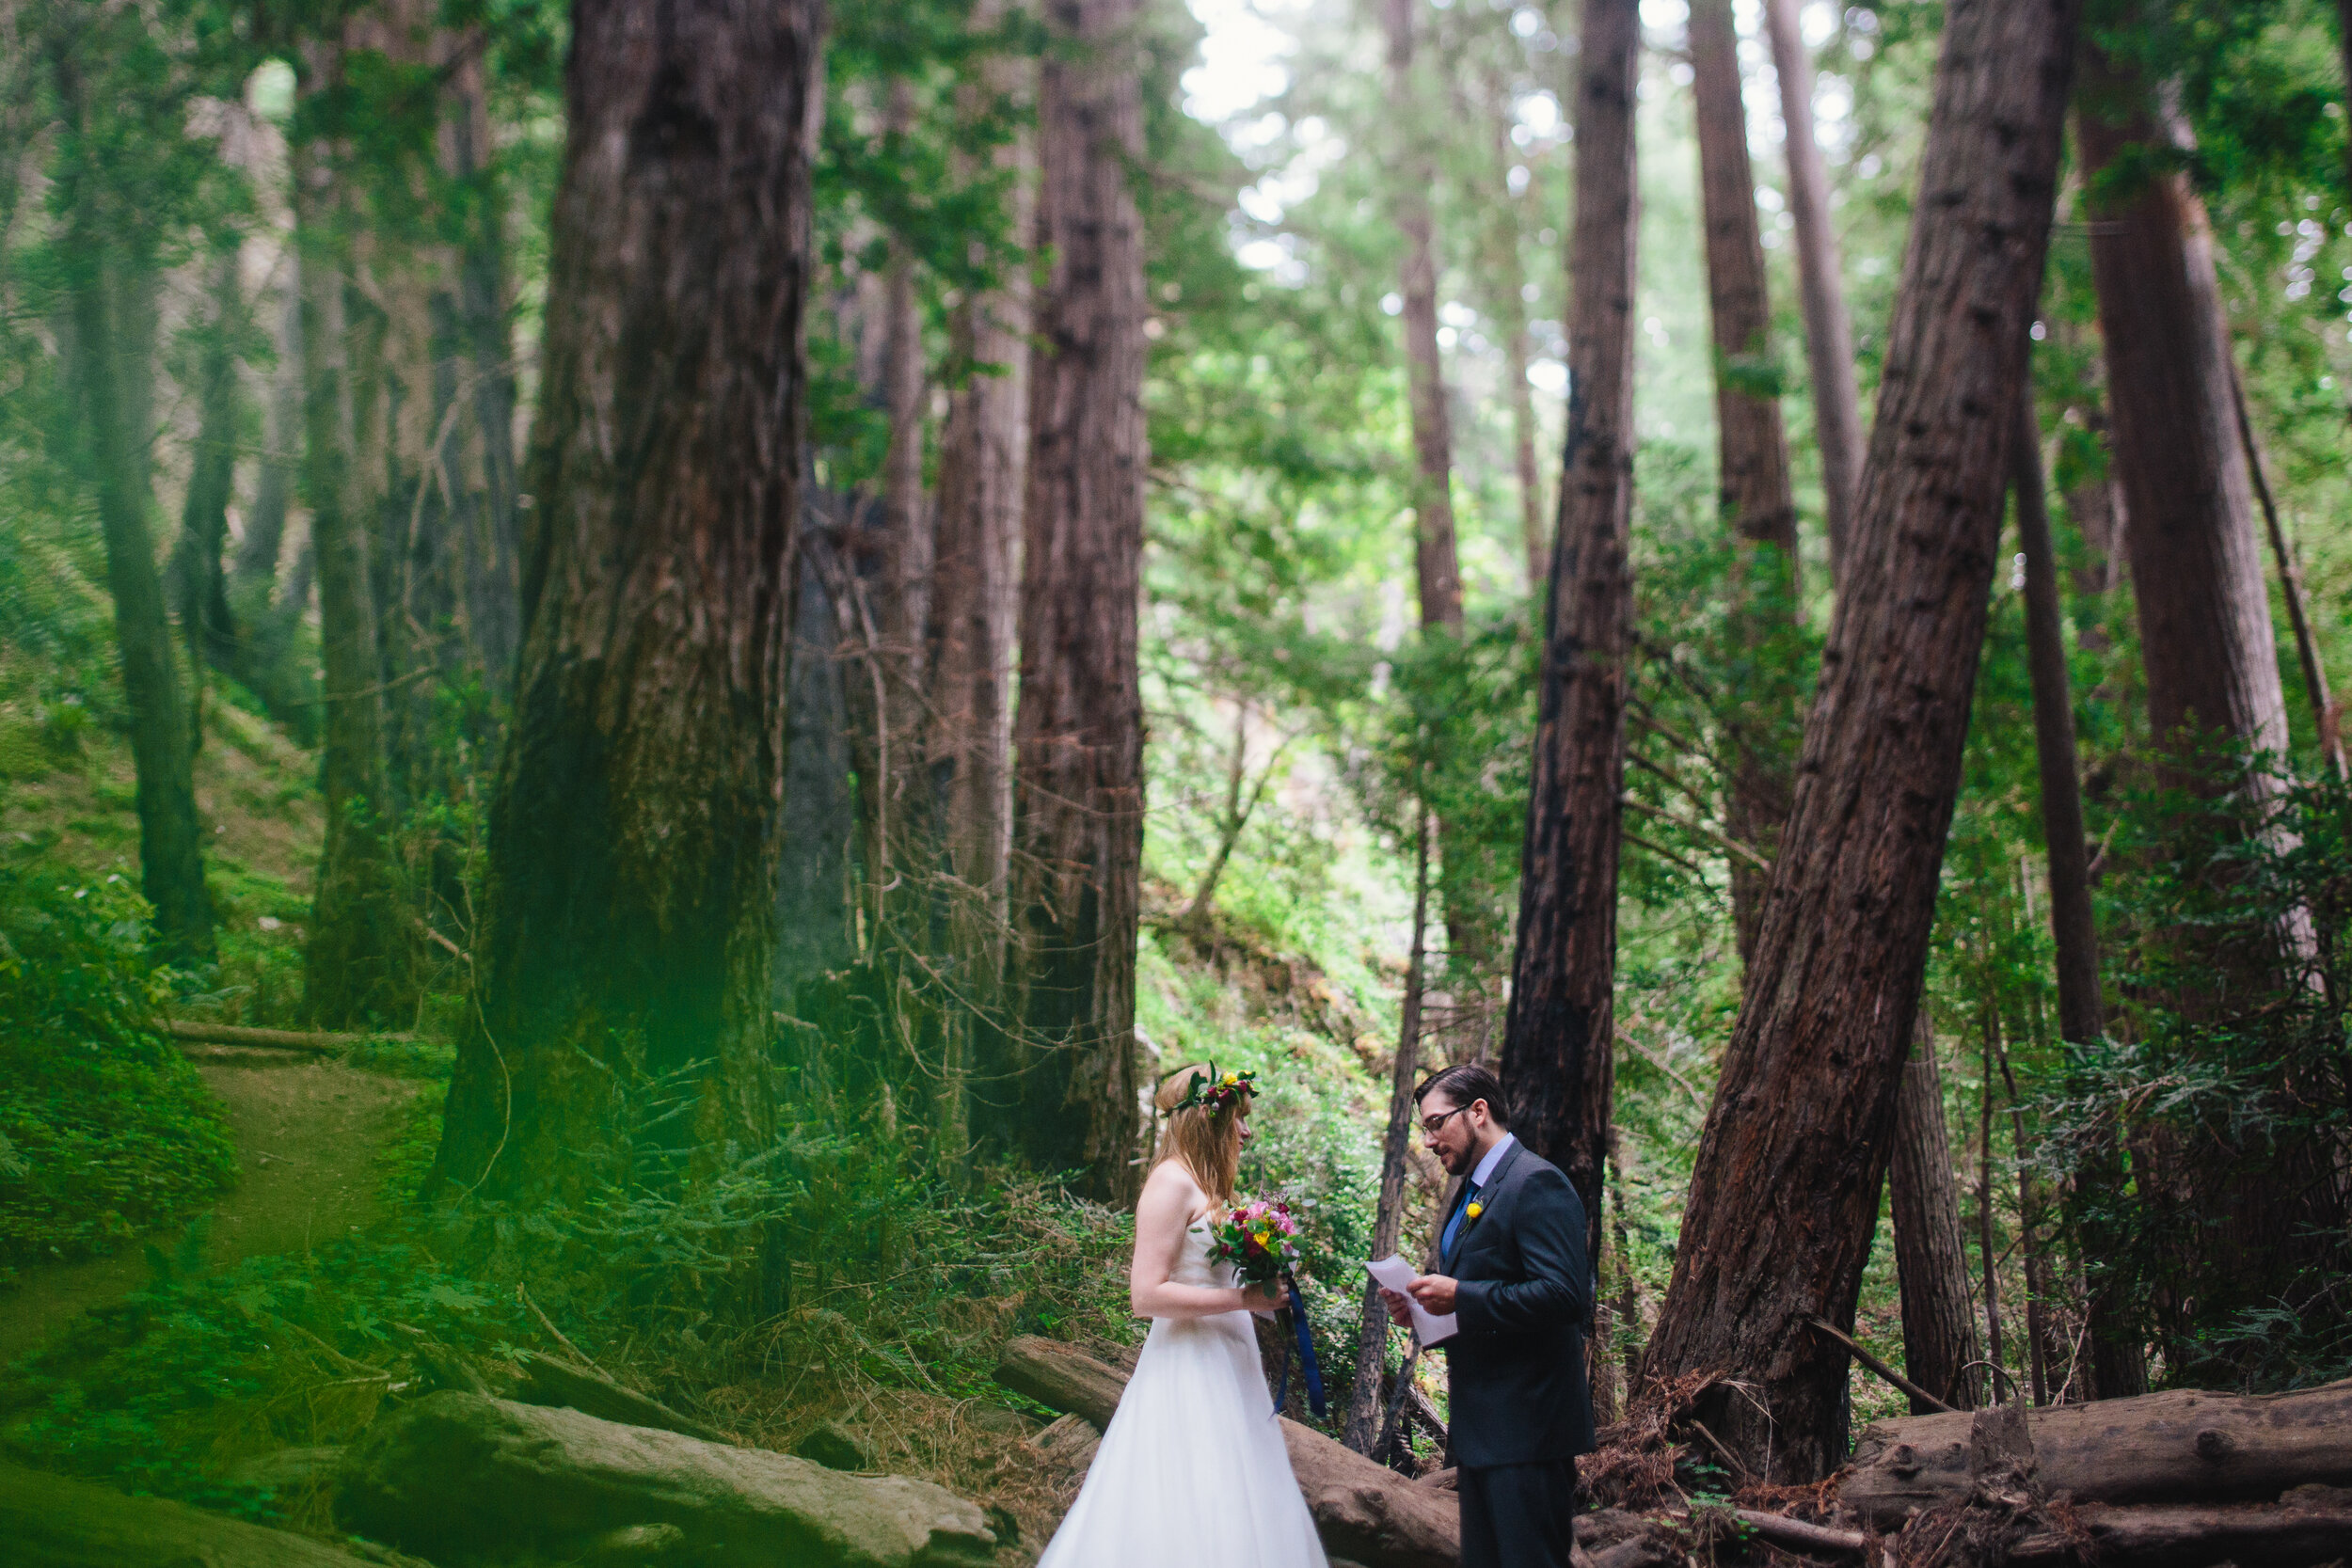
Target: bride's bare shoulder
{"x":1171,"y":1190}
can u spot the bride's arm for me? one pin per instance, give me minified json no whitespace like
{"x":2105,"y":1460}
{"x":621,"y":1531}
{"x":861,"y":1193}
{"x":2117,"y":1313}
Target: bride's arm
{"x":1169,"y":1200}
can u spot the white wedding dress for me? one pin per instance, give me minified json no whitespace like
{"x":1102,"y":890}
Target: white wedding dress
{"x":1193,"y":1472}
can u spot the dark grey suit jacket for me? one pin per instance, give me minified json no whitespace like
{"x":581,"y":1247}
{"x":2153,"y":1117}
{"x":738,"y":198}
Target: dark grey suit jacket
{"x":1518,"y":1385}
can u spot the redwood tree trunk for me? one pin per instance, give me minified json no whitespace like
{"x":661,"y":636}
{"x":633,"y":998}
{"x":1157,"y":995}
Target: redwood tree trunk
{"x":976,"y":532}
{"x":1437,"y":569}
{"x":2206,"y":642}
{"x":2204,"y":612}
{"x":112,"y":349}
{"x":1828,"y":331}
{"x":200,"y":581}
{"x":1557,"y":1047}
{"x":1507,"y":282}
{"x":631,"y":884}
{"x":983,"y":461}
{"x":2117,"y":1367}
{"x":1753,"y":447}
{"x":1931,"y":1265}
{"x":1783,"y":1198}
{"x":1078,"y":790}
{"x":355,"y":966}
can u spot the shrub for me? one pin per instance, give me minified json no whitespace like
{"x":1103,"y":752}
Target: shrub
{"x":106,"y":1130}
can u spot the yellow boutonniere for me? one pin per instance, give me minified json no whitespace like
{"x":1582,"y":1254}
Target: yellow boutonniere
{"x":1473,"y":1210}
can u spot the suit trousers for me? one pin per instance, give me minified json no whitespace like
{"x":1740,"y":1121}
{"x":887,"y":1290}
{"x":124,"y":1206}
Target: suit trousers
{"x":1518,"y":1515}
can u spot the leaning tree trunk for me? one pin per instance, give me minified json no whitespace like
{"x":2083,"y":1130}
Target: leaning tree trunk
{"x":632,"y":874}
{"x":2206,"y":644}
{"x":1828,"y":330}
{"x":2117,"y":1367}
{"x":1930,"y":1261}
{"x":2327,"y":720}
{"x":1557,"y":1045}
{"x":1754,"y":494}
{"x":356,"y":965}
{"x":1783,"y":1198}
{"x":1078,"y":791}
{"x":113,"y":346}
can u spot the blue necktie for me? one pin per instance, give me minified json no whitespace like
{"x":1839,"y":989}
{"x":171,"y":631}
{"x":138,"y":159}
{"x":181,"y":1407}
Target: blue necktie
{"x":1453,"y":1226}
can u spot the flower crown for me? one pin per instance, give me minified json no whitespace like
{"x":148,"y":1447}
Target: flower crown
{"x":1212,"y":1092}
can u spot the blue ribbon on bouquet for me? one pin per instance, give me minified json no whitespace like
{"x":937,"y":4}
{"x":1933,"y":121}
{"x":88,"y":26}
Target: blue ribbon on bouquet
{"x":1304,"y":1333}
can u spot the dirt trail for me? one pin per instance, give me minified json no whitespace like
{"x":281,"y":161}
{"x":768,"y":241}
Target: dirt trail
{"x":307,"y":1134}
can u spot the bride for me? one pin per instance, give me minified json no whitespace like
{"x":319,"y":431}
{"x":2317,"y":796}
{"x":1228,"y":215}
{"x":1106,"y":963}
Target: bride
{"x":1193,"y":1470}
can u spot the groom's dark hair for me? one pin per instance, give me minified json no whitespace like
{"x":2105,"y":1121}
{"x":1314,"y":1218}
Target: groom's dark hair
{"x":1463,"y":1083}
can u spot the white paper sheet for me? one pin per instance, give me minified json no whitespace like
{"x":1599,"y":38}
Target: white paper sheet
{"x":1429,"y":1328}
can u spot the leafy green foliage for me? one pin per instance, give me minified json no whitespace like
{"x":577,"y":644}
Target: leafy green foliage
{"x":106,"y":1130}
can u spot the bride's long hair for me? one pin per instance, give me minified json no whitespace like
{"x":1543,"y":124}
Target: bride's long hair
{"x":1205,"y":1141}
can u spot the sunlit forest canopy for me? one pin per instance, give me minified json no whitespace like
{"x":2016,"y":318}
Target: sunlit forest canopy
{"x":659,"y":661}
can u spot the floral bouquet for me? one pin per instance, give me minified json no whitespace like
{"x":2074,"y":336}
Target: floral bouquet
{"x":1259,"y":1238}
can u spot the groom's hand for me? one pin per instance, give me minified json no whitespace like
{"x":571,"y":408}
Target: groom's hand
{"x":1435,"y":1292}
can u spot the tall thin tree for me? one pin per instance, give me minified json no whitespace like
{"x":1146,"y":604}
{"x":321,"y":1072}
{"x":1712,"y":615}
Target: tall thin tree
{"x":1783,"y":1198}
{"x":109,"y":243}
{"x":1753,"y":487}
{"x":2117,"y":1366}
{"x":2207,"y":647}
{"x":1078,"y":731}
{"x":1558,"y":1048}
{"x":631,"y":885}
{"x":354,"y":965}
{"x":1930,"y":1262}
{"x":1828,"y":328}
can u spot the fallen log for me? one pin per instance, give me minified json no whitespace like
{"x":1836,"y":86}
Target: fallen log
{"x":56,"y":1522}
{"x":1363,"y":1511}
{"x":459,"y":1474}
{"x":316,"y":1041}
{"x":2185,"y":1446}
{"x":2292,"y":1534}
{"x":550,"y":1381}
{"x":1782,"y":1530}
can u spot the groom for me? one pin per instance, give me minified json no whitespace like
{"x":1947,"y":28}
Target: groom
{"x":1512,"y":1264}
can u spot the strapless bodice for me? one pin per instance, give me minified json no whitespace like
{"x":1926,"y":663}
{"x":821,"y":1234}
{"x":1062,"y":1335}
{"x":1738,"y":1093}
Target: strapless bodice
{"x":1192,"y":1261}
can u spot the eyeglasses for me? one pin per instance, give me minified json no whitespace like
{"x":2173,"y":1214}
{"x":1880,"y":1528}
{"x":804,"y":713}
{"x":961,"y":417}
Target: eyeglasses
{"x":1432,"y":1126}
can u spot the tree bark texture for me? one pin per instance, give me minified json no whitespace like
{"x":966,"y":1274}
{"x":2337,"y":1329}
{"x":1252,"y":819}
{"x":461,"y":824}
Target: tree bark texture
{"x":1372,"y":1340}
{"x":1828,"y":329}
{"x":1785,"y":1193}
{"x":2206,"y":642}
{"x":356,"y":965}
{"x":2183,"y":1446}
{"x":633,"y":876}
{"x":1754,"y":494}
{"x":2204,"y":611}
{"x":1558,"y":1044}
{"x":2117,"y":1367}
{"x":1931,"y":1263}
{"x":982,"y":463}
{"x":1079,"y":789}
{"x":113,"y":350}
{"x":1437,"y":568}
{"x":819,"y":817}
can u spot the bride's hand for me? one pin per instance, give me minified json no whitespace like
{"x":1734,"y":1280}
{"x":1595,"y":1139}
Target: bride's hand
{"x":1263,"y":1299}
